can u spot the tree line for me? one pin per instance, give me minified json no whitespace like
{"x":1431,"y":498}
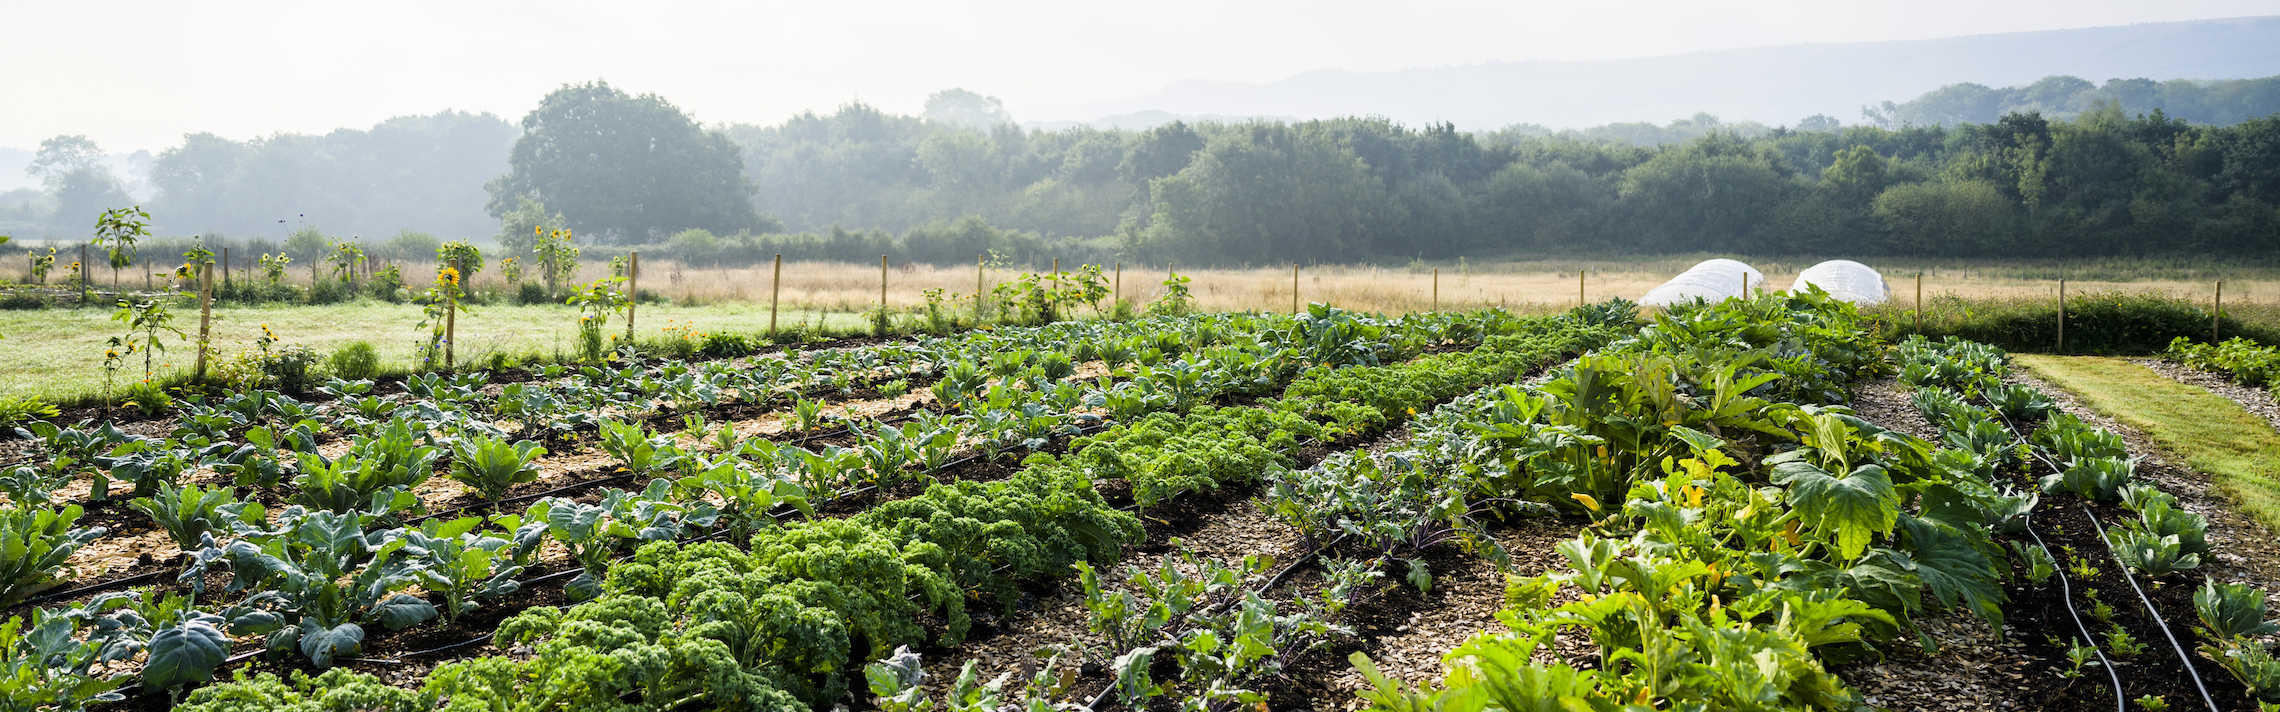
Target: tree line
{"x":626,"y":170}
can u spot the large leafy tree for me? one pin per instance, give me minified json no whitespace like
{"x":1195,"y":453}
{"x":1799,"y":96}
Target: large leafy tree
{"x":72,"y":170}
{"x":625,"y":168}
{"x":1266,"y":195}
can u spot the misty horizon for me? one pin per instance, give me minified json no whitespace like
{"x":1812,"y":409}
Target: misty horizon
{"x":1082,"y":86}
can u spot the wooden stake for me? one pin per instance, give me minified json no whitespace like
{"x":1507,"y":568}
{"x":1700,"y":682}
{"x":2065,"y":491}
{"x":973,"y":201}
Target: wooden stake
{"x":225,"y":266}
{"x":981,"y":262}
{"x":775,"y":293}
{"x":83,"y":275}
{"x":1579,"y":288}
{"x":451,"y":326}
{"x":205,"y":318}
{"x":1919,"y":302}
{"x":2217,"y":319}
{"x":2062,"y":315}
{"x":1116,"y":293}
{"x":882,"y":285}
{"x":632,"y":290}
{"x":1436,"y":289}
{"x":1294,"y":288}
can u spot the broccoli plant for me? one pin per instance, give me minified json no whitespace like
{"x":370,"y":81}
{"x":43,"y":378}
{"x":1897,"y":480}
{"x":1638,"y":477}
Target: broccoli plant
{"x":37,"y":541}
{"x":323,"y":577}
{"x":491,"y":465}
{"x":452,"y":559}
{"x":188,"y":513}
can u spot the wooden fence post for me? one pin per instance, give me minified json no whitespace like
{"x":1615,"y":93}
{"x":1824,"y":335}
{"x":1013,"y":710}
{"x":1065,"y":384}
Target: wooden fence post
{"x":205,"y":318}
{"x":2062,"y":315}
{"x":882,"y":288}
{"x":1294,"y":288}
{"x":1919,"y":301}
{"x":2217,"y":319}
{"x":225,"y":266}
{"x":775,"y":293}
{"x":632,"y":290}
{"x":981,"y":262}
{"x":1436,"y":289}
{"x":1579,"y":288}
{"x":451,"y":326}
{"x":1116,"y":293}
{"x":83,"y":274}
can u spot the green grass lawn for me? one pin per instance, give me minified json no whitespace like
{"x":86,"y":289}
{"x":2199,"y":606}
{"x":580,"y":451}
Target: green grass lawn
{"x":2210,"y":432}
{"x":57,"y":354}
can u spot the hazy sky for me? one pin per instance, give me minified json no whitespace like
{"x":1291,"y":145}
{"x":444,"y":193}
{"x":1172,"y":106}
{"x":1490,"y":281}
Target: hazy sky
{"x":135,"y":74}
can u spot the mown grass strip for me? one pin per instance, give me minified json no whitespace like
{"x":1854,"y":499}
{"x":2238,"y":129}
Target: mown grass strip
{"x":2211,"y":433}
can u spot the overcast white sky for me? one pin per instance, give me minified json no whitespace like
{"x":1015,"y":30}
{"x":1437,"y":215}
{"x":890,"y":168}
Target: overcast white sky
{"x":139,"y":74}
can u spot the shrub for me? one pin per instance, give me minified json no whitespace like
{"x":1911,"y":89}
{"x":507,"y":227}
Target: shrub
{"x":289,"y":368}
{"x":387,"y":284}
{"x":149,"y":398}
{"x":327,"y":291}
{"x":17,"y":411}
{"x":2099,"y":323}
{"x":530,"y":293}
{"x":721,"y":344}
{"x":355,"y":361}
{"x":21,"y":300}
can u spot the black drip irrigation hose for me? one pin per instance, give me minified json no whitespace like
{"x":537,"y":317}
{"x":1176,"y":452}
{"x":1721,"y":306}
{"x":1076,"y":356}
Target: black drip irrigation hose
{"x":2174,"y":646}
{"x":2065,"y":585}
{"x":2066,"y":593}
{"x":2158,"y":620}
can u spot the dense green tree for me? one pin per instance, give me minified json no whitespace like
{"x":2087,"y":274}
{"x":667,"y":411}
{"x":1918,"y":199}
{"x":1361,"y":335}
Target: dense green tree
{"x":411,"y":172}
{"x":964,"y":109}
{"x":1266,"y":194}
{"x":625,"y":168}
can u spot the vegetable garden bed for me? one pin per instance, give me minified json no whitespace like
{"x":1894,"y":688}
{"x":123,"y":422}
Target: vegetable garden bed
{"x":1212,"y":512}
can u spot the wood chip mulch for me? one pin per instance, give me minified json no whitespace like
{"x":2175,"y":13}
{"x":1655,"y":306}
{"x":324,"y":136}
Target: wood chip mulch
{"x":1967,"y":666}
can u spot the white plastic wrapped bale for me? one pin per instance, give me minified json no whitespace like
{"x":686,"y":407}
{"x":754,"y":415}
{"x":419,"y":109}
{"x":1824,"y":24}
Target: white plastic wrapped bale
{"x":1708,"y":280}
{"x":1846,"y":280}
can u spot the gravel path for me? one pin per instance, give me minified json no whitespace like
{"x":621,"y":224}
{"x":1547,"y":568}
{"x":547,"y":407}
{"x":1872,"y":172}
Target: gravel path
{"x":1969,"y":667}
{"x":1464,"y":601}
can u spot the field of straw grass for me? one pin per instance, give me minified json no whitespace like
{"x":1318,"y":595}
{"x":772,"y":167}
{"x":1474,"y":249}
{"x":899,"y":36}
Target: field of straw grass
{"x":1529,"y":284}
{"x":838,"y":286}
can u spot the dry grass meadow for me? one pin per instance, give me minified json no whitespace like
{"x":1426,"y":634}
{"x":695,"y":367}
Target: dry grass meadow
{"x":55,"y":353}
{"x":1537,"y":284}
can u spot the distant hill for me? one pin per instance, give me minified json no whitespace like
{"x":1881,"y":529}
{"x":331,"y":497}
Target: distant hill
{"x":1773,"y":85}
{"x":2218,"y":102}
